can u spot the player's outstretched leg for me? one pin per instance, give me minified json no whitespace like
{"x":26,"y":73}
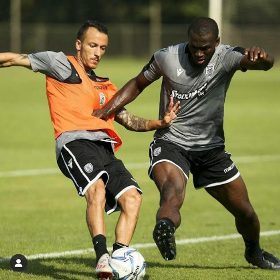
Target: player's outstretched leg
{"x":164,"y":238}
{"x":263,"y":259}
{"x":234,"y":197}
{"x":103,"y":269}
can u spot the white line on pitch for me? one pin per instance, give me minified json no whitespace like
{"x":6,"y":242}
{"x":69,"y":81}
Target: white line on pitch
{"x":130,"y":166}
{"x":145,"y":245}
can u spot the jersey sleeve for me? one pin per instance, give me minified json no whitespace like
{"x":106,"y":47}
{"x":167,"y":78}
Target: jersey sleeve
{"x":52,"y":64}
{"x":152,"y":71}
{"x":232,"y":59}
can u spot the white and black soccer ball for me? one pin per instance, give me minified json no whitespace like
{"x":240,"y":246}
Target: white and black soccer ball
{"x":127,"y":264}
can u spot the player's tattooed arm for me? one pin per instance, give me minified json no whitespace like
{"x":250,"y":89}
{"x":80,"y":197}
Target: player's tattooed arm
{"x":14,"y":59}
{"x":134,"y":123}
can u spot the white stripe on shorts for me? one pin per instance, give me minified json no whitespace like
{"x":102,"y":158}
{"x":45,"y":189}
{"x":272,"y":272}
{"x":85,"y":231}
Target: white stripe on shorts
{"x":90,"y":182}
{"x":118,"y":196}
{"x":224,"y":182}
{"x":162,"y":160}
{"x":83,"y":173}
{"x":69,"y":170}
{"x":94,"y":180}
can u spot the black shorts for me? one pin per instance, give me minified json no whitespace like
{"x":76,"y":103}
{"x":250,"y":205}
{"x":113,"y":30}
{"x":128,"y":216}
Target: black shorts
{"x":209,"y":168}
{"x":84,"y":162}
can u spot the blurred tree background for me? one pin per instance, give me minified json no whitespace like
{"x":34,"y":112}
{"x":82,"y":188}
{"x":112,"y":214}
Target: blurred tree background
{"x":137,"y":28}
{"x":110,"y":11}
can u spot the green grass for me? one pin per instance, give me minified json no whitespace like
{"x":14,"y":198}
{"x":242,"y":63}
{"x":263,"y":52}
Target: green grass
{"x":43,"y":214}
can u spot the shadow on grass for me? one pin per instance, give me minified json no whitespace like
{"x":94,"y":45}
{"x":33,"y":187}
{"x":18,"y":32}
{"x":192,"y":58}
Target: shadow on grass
{"x":57,"y":268}
{"x":76,"y":268}
{"x":177,"y":266}
{"x":73,"y":268}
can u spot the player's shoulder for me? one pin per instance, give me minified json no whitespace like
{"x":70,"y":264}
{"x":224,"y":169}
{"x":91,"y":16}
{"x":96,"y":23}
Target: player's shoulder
{"x":221,"y":48}
{"x":171,"y":50}
{"x":225,"y":49}
{"x":170,"y":54}
{"x":225,"y":53}
{"x":51,"y":55}
{"x":56,"y":54}
{"x":229,"y":56}
{"x":177,"y":49}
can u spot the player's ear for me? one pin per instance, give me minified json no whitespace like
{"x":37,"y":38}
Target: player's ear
{"x":78,"y":45}
{"x":218,"y":40}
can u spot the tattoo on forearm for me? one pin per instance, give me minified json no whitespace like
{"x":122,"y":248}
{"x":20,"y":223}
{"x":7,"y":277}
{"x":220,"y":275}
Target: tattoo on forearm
{"x":132,"y":122}
{"x":24,"y":56}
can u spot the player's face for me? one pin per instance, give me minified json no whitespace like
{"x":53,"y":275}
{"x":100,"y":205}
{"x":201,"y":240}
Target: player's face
{"x":91,"y":48}
{"x":202,"y":48}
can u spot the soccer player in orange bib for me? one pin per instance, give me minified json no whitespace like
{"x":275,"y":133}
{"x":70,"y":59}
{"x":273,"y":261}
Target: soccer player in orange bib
{"x":85,"y":144}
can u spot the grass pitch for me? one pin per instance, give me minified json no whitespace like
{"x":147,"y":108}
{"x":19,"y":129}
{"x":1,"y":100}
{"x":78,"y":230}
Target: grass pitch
{"x":42,"y":214}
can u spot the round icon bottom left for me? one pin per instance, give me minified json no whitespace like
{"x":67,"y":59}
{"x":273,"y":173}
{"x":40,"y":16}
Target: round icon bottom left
{"x":18,"y":262}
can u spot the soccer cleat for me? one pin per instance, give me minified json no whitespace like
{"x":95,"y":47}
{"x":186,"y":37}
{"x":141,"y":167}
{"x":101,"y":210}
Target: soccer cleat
{"x":164,"y":238}
{"x":103,"y":270}
{"x":263,"y":260}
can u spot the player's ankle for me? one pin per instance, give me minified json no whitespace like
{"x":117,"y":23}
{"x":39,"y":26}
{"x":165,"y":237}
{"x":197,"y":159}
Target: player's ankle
{"x":118,"y":245}
{"x":252,"y":247}
{"x":100,"y":247}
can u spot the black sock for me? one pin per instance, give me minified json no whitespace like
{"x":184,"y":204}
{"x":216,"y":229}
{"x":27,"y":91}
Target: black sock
{"x":252,"y":247}
{"x":118,"y":245}
{"x":99,"y":244}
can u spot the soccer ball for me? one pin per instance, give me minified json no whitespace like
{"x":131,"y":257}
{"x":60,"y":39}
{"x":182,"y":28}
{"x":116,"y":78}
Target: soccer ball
{"x":127,"y":264}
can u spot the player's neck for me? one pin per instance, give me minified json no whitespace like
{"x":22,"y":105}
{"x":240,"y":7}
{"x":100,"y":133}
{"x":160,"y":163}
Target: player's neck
{"x":78,"y":59}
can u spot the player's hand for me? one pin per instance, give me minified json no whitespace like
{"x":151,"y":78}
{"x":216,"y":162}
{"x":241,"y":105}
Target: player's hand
{"x":100,"y":114}
{"x":256,"y":54}
{"x":171,"y":112}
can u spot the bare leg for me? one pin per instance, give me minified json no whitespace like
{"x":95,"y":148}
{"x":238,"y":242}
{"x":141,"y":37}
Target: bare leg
{"x":234,"y":197}
{"x":171,"y":183}
{"x":95,"y":197}
{"x":130,"y":202}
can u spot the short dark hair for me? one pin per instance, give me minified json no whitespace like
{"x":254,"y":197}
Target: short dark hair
{"x":91,"y":23}
{"x":204,"y":26}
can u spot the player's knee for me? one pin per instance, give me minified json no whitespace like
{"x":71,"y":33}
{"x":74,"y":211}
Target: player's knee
{"x":172,"y":202}
{"x":131,"y":200}
{"x":172,"y":198}
{"x":247,"y":214}
{"x":95,"y":194}
{"x":134,"y":199}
